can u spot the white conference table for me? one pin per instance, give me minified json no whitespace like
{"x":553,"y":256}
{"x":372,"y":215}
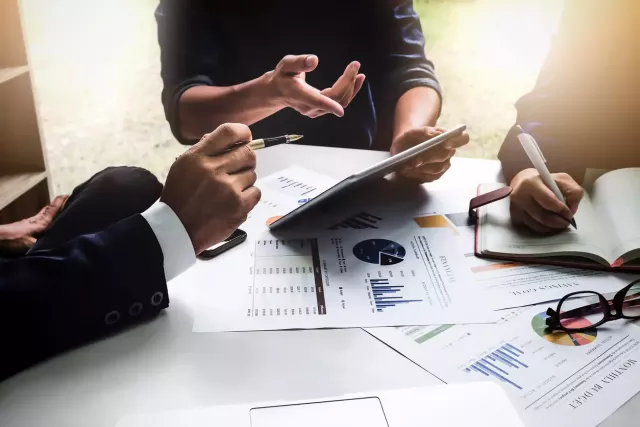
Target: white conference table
{"x":162,"y":365}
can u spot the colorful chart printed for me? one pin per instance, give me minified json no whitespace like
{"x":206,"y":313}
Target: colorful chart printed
{"x":435,"y":221}
{"x":538,"y":323}
{"x":379,"y":251}
{"x":494,"y":267}
{"x":272,"y":220}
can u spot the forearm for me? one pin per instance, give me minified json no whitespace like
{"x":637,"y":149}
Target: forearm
{"x":203,"y":108}
{"x":554,"y":142}
{"x":53,"y":300}
{"x":416,"y":108}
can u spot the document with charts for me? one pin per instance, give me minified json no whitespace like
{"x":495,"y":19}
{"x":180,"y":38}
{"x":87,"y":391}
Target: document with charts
{"x":507,"y":284}
{"x":354,"y":278}
{"x":552,"y":378}
{"x":425,"y":274}
{"x":511,"y":284}
{"x":284,"y":191}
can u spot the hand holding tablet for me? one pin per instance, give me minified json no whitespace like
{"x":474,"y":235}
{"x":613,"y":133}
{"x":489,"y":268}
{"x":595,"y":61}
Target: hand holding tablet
{"x":432,"y":164}
{"x":378,"y":170}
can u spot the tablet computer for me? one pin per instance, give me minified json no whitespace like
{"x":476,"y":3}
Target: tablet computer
{"x":377,"y":170}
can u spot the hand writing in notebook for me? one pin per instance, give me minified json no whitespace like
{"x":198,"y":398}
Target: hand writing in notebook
{"x":534,"y":205}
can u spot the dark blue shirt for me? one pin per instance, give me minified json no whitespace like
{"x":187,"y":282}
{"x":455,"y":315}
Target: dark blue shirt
{"x":209,"y":42}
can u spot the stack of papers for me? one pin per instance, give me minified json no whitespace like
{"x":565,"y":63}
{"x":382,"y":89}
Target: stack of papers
{"x":384,"y":266}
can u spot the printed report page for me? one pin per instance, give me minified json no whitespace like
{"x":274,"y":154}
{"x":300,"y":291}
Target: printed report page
{"x":553,"y":378}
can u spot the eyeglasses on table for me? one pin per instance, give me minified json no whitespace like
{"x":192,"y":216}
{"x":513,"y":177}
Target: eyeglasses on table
{"x":596,"y":311}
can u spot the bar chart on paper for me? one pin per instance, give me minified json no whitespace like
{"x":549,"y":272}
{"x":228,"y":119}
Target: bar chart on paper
{"x":386,"y":295}
{"x":359,"y":221}
{"x":286,"y":279}
{"x":499,"y":363}
{"x":297,"y":183}
{"x":339,"y":280}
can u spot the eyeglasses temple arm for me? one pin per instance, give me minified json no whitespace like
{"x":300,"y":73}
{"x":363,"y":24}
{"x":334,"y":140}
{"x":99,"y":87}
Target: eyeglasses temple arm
{"x":586,"y":309}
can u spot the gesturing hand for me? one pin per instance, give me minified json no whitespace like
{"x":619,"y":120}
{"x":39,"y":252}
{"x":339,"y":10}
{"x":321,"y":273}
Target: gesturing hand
{"x":210,"y":187}
{"x":536,"y":207}
{"x":347,"y":86}
{"x":432,"y":164}
{"x":289,"y":83}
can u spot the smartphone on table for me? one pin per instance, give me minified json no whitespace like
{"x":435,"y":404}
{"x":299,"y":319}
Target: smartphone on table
{"x":235,"y":239}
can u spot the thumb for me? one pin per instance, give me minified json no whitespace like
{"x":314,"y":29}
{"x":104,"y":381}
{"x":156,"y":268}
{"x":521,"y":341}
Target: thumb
{"x":298,"y":63}
{"x":225,"y":137}
{"x":49,"y":212}
{"x":413,"y":137}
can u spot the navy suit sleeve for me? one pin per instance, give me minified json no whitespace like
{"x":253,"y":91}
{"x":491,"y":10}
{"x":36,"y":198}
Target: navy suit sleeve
{"x":404,"y":49}
{"x":94,"y":285}
{"x":188,"y":53}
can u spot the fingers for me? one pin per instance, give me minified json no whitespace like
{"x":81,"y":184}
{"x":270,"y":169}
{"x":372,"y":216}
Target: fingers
{"x":537,"y":207}
{"x":432,"y":167}
{"x":59,"y":201}
{"x":572,"y":191}
{"x":534,"y":225}
{"x":413,"y":137}
{"x":431,"y":160}
{"x":311,"y":101}
{"x":243,"y":180}
{"x":251,"y":197}
{"x":360,"y":78}
{"x":293,"y":64}
{"x":45,"y":217}
{"x":343,"y":89}
{"x":548,"y":201}
{"x":422,"y":175}
{"x":347,"y":86}
{"x":432,"y":164}
{"x":542,"y":216}
{"x":50,"y":211}
{"x":457,"y":141}
{"x":238,"y":160}
{"x":222,"y":139}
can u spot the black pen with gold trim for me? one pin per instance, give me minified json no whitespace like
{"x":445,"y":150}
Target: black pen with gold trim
{"x":258,"y":144}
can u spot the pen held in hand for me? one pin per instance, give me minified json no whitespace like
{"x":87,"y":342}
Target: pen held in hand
{"x":570,"y":221}
{"x":258,"y":144}
{"x":534,"y":153}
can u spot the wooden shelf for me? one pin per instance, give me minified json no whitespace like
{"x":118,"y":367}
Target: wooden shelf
{"x":7,"y":74}
{"x":13,"y":186}
{"x":22,"y":193}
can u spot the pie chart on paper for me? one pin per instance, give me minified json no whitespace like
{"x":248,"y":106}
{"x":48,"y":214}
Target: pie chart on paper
{"x":539,"y":325}
{"x":379,"y":251}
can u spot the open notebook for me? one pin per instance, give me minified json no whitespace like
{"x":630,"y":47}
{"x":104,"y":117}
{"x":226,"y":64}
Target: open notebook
{"x":608,"y":234}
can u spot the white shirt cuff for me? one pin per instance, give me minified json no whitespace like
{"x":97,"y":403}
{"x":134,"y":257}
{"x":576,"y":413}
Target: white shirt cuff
{"x":174,"y":241}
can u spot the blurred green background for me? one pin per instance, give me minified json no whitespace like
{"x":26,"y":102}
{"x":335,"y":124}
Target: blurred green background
{"x":487,"y":54}
{"x":96,"y":71}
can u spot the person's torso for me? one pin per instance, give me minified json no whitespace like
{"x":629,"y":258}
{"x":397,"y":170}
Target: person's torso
{"x":588,"y":97}
{"x":252,"y":37}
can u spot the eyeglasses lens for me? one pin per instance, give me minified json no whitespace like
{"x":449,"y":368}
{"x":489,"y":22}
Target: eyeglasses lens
{"x":582,"y":311}
{"x":631,"y":304}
